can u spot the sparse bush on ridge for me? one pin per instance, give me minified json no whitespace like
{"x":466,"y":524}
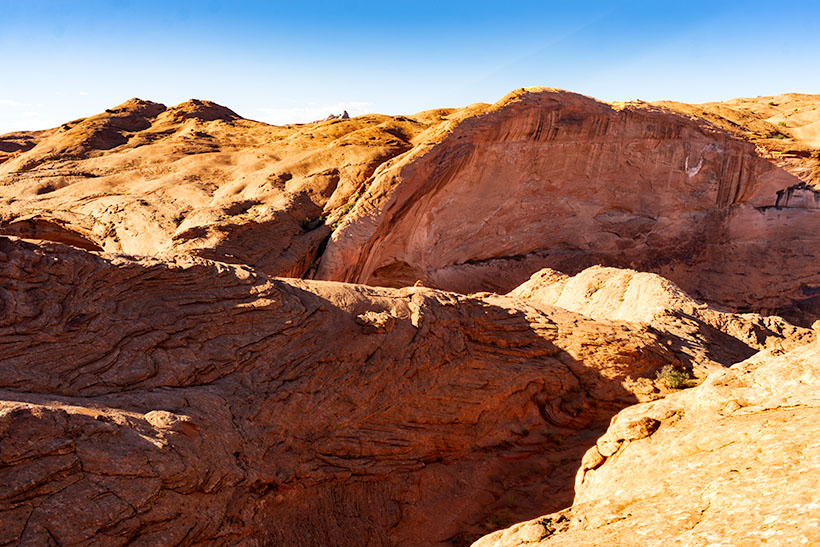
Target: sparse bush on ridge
{"x":673,"y":377}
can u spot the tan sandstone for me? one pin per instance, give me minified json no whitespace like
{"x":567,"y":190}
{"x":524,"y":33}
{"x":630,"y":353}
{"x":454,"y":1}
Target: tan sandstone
{"x":471,"y":199}
{"x":732,"y":462}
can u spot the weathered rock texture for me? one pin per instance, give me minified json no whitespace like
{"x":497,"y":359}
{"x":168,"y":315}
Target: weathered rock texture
{"x":179,"y":393}
{"x":196,"y":178}
{"x":466,"y":199}
{"x":786,"y":127}
{"x":175,"y":402}
{"x":731,"y":462}
{"x":555,"y":179}
{"x":704,"y":338}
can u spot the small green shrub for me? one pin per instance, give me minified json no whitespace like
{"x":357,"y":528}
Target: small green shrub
{"x":781,"y":124}
{"x":344,"y":210}
{"x":673,"y":377}
{"x":309,"y":223}
{"x":772,"y":103}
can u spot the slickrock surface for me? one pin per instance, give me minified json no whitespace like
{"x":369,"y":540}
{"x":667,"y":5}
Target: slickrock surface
{"x":175,"y":402}
{"x":702,"y":337}
{"x":554,"y":179}
{"x":732,"y":462}
{"x":196,"y":178}
{"x":786,"y":126}
{"x":471,"y":199}
{"x":162,"y":383}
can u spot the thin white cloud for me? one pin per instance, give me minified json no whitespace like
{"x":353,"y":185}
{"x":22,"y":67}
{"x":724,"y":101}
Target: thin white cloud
{"x":11,"y":103}
{"x":311,"y":112}
{"x":22,"y":116}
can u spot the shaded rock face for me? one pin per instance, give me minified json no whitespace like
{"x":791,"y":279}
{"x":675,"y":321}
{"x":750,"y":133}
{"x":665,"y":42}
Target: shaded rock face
{"x":184,"y":401}
{"x":732,"y":461}
{"x":703,"y":338}
{"x":799,"y":196}
{"x":786,"y":127}
{"x":193,"y":397}
{"x":554,"y":179}
{"x":21,"y":141}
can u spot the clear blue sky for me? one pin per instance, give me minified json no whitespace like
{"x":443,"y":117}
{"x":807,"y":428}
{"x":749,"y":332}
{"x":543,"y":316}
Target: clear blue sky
{"x":300,"y":60}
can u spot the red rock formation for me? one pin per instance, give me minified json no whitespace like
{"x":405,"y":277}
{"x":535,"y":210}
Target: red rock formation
{"x":733,"y":462}
{"x":705,"y":339}
{"x":555,"y":179}
{"x":197,"y":179}
{"x":176,"y":402}
{"x":177,"y":399}
{"x":785,"y":127}
{"x":471,"y":199}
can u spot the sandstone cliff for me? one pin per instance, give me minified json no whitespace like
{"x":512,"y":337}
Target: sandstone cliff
{"x":553,"y":179}
{"x":161,"y":383}
{"x":181,"y":401}
{"x":785,"y":127}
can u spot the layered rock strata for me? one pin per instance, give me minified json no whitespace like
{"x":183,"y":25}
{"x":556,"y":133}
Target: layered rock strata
{"x":149,"y":402}
{"x":196,"y":179}
{"x":703,"y":338}
{"x":469,"y":199}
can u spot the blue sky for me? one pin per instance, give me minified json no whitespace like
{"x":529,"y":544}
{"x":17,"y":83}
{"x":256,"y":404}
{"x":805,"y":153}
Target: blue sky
{"x":300,"y":60}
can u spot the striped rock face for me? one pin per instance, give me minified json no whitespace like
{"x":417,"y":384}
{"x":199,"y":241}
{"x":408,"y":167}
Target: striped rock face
{"x":217,"y":331}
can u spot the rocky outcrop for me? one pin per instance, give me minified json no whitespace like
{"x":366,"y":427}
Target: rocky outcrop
{"x":731,"y":462}
{"x":196,"y":179}
{"x":546,"y":178}
{"x":12,"y":144}
{"x":704,"y":338}
{"x":175,"y":402}
{"x":784,"y":127}
{"x":799,"y":196}
{"x":179,"y":392}
{"x":470,"y":200}
{"x":343,"y":116}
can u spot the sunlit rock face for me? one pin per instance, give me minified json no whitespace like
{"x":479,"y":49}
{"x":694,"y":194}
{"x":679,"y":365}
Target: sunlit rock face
{"x":555,"y":179}
{"x":729,"y":462}
{"x":469,"y":199}
{"x":187,"y":400}
{"x":162,"y":381}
